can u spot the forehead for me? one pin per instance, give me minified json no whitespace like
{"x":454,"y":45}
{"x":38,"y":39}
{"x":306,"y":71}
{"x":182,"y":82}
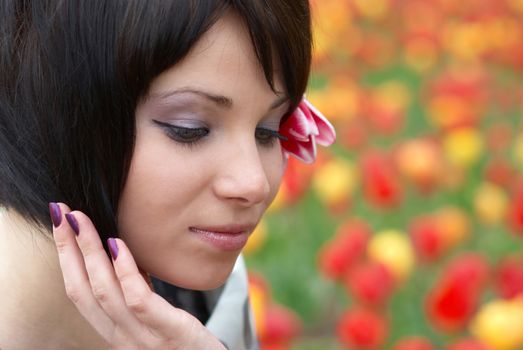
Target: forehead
{"x":224,"y":60}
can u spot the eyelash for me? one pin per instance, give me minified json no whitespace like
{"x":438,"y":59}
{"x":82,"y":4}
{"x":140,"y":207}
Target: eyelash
{"x":265,"y":137}
{"x":268,"y":136}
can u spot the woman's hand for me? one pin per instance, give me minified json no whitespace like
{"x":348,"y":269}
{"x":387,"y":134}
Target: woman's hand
{"x":115,"y":298}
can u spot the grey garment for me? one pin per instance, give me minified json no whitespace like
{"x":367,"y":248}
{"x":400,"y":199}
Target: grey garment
{"x":231,"y":319}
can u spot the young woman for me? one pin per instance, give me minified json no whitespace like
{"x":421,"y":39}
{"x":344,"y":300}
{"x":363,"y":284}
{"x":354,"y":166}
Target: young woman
{"x":164,"y":123}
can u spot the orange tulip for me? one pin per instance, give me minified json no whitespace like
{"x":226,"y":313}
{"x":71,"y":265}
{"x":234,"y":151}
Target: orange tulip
{"x":454,"y":225}
{"x":421,"y":162}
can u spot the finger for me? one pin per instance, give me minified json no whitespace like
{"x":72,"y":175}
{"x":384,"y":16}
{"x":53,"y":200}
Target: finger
{"x":104,"y":285}
{"x":156,"y":313}
{"x":74,"y":274}
{"x":147,"y":278}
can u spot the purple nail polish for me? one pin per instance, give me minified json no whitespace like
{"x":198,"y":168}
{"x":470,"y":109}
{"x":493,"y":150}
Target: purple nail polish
{"x":56,"y":214}
{"x":113,"y":247}
{"x":73,"y":223}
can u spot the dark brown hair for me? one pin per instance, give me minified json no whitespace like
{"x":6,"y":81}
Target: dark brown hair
{"x":72,"y":73}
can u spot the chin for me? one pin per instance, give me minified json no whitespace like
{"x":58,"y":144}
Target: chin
{"x":197,"y":281}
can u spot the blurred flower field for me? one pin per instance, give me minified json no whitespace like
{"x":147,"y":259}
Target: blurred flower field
{"x":407,"y":234}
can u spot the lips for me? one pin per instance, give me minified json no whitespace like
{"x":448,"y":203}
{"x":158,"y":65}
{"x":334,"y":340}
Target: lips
{"x":225,"y":229}
{"x":225,"y":238}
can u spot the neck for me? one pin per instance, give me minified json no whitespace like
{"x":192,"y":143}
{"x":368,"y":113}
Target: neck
{"x":35,"y":311}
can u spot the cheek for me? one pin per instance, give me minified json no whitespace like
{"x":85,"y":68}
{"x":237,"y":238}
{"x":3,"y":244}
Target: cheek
{"x":274,"y":166}
{"x":157,"y":187}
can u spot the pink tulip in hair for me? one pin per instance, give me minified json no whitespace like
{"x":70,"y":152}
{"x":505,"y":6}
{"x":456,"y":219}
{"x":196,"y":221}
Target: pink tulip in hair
{"x":303,"y":129}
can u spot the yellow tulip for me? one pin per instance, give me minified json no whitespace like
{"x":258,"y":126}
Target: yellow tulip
{"x":518,"y":150}
{"x":490,"y":203}
{"x":330,"y":19}
{"x":454,"y":224}
{"x":372,"y":9}
{"x":256,"y":239}
{"x":517,"y":5}
{"x":393,"y":249}
{"x":393,"y":94}
{"x":465,"y":41}
{"x":502,"y":32}
{"x":421,"y":55}
{"x":279,"y":201}
{"x":335,"y":181}
{"x":463,"y":146}
{"x":499,"y":324}
{"x":258,"y":299}
{"x":340,"y":100}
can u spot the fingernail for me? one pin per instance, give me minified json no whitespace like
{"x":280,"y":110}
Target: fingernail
{"x":113,"y":247}
{"x":73,"y":223}
{"x":56,"y":214}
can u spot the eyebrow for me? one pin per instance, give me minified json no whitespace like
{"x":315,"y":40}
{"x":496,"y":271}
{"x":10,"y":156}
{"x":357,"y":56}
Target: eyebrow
{"x":220,"y":100}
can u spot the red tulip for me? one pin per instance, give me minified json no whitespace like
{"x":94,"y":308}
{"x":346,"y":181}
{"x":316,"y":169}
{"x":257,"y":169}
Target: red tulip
{"x":471,"y":87}
{"x":467,"y":344}
{"x":362,"y":329}
{"x":449,"y":307}
{"x":470,"y":270}
{"x":427,"y":238}
{"x":457,"y":99}
{"x":296,"y":180}
{"x":500,"y":172}
{"x":413,"y":343}
{"x":515,"y":211}
{"x":348,"y":245}
{"x":380,"y":181}
{"x":509,"y":277}
{"x":370,"y":282}
{"x":384,"y":119}
{"x":455,"y":297}
{"x":274,"y":346}
{"x":281,"y":327}
{"x":375,"y":50}
{"x":499,"y":137}
{"x":354,"y":134}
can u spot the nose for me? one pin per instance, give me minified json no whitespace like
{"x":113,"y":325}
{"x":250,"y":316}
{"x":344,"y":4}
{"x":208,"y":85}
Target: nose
{"x":242,"y":177}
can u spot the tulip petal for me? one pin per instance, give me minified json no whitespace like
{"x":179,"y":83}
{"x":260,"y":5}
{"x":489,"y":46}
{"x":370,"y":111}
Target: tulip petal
{"x":311,"y":123}
{"x":327,"y":133}
{"x":304,"y":151}
{"x":301,"y":124}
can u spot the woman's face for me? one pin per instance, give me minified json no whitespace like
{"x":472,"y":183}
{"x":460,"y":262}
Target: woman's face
{"x":207,"y":161}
